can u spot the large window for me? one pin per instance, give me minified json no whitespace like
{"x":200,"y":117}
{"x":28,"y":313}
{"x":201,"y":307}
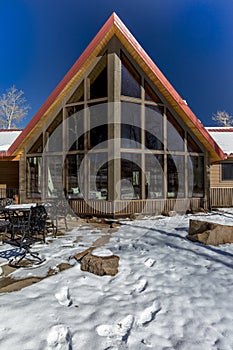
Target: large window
{"x":175,"y":176}
{"x":98,"y":175}
{"x":130,"y":79}
{"x":54,"y":169}
{"x":196,"y":176}
{"x":154,"y":171}
{"x":34,"y":177}
{"x":227,"y":171}
{"x":75,"y":128}
{"x":130,"y":176}
{"x":54,"y":135}
{"x":130,"y":125}
{"x":74,"y":180}
{"x":154,"y":127}
{"x":153,"y":155}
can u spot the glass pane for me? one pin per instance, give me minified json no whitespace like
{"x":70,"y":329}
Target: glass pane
{"x":196,"y":176}
{"x":175,"y":134}
{"x":175,"y":176}
{"x":38,"y":146}
{"x":34,"y":177}
{"x":73,"y":186}
{"x":98,"y":80}
{"x":75,"y":128}
{"x":130,"y":125}
{"x":98,"y":125}
{"x":98,"y":167}
{"x":192,"y":146}
{"x":227,"y":172}
{"x":150,"y":95}
{"x":154,"y":128}
{"x":54,"y":134}
{"x":78,"y":95}
{"x":130,"y":79}
{"x":54,"y":177}
{"x":130,"y":176}
{"x":154,"y":176}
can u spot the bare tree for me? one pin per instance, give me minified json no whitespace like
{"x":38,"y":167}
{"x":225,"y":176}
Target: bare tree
{"x":13,"y":107}
{"x":223,"y":118}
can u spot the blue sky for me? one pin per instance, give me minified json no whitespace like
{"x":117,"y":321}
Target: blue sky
{"x":191,"y":41}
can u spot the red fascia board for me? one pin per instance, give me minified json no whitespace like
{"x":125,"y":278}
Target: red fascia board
{"x":70,"y":74}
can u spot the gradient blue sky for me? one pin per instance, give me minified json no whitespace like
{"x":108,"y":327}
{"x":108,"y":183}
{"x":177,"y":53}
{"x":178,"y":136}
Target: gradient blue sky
{"x":191,"y":41}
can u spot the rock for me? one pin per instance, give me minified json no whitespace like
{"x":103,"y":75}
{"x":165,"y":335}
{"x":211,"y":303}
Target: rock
{"x":209,"y":233}
{"x":169,"y":213}
{"x":100,"y":265}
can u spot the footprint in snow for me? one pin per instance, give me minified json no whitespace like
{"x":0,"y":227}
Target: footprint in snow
{"x":59,"y":338}
{"x":63,"y":296}
{"x":148,"y":314}
{"x":119,"y":331}
{"x":140,"y":286}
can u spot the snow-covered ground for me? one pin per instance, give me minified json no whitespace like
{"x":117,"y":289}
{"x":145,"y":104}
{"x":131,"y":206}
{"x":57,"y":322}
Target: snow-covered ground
{"x":169,"y":293}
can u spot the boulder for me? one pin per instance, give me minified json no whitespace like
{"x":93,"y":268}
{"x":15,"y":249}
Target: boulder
{"x":209,"y":233}
{"x":100,"y":265}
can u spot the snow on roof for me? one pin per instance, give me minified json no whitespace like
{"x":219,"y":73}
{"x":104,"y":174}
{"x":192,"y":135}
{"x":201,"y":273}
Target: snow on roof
{"x":223,"y":136}
{"x":7,"y":137}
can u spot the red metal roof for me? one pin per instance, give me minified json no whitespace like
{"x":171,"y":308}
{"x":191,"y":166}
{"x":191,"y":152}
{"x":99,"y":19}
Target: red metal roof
{"x":226,"y":129}
{"x":119,"y":29}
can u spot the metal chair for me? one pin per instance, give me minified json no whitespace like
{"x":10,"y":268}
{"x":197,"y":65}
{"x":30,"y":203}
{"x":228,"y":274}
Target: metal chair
{"x":25,"y":229}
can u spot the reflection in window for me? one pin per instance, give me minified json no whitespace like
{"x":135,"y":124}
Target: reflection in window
{"x":227,"y":171}
{"x":175,"y":176}
{"x":34,"y":177}
{"x":98,"y":170}
{"x":78,"y":95}
{"x":54,"y":168}
{"x":130,"y":125}
{"x":154,"y":173}
{"x":75,"y":127}
{"x":150,"y":95}
{"x":196,"y":176}
{"x":74,"y":187}
{"x":37,"y":146}
{"x":175,"y":134}
{"x":130,"y":176}
{"x":192,"y":145}
{"x":54,"y":135}
{"x":98,"y":125}
{"x":130,"y":79}
{"x":98,"y":80}
{"x":153,"y":128}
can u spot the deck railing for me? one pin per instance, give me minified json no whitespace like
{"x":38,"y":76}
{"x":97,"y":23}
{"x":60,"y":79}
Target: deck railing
{"x":221,"y":196}
{"x":128,"y":207}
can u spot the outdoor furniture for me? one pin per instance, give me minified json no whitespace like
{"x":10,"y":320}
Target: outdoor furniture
{"x":4,"y":201}
{"x":26,"y":226}
{"x":57,"y":209}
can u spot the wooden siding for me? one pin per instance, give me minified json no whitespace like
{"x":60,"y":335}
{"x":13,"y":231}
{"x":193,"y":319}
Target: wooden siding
{"x":215,"y":177}
{"x":9,"y":174}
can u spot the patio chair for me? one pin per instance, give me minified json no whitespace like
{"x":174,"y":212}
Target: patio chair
{"x":25,"y":229}
{"x":56,"y":210}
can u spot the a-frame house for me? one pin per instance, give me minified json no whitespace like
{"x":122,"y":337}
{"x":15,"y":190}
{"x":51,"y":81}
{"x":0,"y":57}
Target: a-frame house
{"x":115,"y":137}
